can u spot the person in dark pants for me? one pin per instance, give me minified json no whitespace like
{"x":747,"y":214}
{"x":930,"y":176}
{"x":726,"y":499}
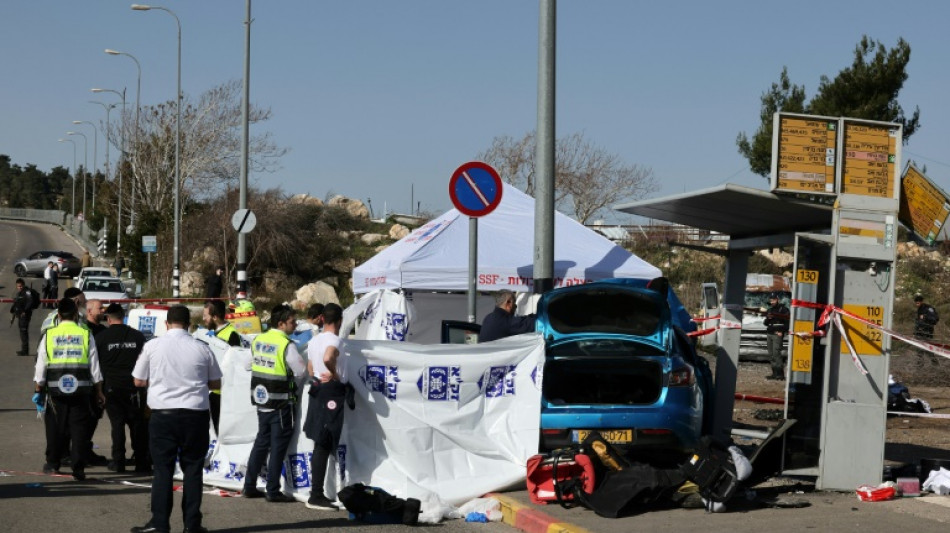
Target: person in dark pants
{"x":324,"y":422}
{"x":925,"y":318}
{"x":214,"y":283}
{"x":22,"y":311}
{"x":119,"y":347}
{"x":502,"y":322}
{"x":67,"y":370}
{"x":275,"y":366}
{"x":776,"y":328}
{"x":214,"y":320}
{"x":178,"y":371}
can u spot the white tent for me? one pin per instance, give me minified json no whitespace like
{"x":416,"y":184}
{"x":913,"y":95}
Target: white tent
{"x":435,"y":256}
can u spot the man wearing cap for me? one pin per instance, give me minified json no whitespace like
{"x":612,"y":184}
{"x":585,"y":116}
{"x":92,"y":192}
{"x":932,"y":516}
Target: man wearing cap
{"x":178,"y":371}
{"x":776,"y":323}
{"x":119,"y":347}
{"x":68,"y":382}
{"x":275,"y":366}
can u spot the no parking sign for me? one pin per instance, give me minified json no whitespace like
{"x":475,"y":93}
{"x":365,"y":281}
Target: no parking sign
{"x":475,"y":189}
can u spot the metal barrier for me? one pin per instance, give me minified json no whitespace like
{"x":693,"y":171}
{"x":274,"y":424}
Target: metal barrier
{"x":73,"y":227}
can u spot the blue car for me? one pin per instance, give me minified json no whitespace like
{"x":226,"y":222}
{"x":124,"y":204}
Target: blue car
{"x":617,"y":362}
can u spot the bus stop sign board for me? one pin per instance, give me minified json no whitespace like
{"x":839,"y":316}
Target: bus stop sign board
{"x":475,"y":189}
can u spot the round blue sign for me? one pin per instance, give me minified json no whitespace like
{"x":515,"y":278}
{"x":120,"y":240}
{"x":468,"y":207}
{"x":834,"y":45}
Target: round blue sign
{"x":475,"y":189}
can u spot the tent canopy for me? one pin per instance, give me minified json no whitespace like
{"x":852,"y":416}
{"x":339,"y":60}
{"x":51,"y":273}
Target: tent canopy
{"x":435,"y":255}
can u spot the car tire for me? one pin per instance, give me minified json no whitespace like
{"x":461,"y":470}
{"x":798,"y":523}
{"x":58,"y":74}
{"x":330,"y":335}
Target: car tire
{"x":20,"y":271}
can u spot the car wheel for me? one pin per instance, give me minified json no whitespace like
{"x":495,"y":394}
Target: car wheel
{"x":20,"y":271}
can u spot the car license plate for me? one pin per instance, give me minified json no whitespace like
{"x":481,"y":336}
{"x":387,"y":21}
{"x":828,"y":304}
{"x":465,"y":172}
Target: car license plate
{"x":613,"y":436}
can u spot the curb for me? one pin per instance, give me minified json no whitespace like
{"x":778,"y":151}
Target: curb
{"x":529,"y":520}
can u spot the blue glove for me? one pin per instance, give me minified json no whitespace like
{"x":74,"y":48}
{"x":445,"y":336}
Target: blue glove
{"x":39,"y":399}
{"x":476,"y":517}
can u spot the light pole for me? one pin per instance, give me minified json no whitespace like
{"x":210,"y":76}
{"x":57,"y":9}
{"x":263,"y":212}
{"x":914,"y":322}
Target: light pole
{"x":135,"y":139}
{"x":118,"y":237}
{"x":175,"y":257}
{"x":85,"y":167}
{"x":95,"y":165}
{"x":74,"y":174}
{"x":108,"y":125}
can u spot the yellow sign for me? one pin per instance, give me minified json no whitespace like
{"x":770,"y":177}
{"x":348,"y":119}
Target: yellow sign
{"x":246,"y":323}
{"x":802,"y":346}
{"x":806,"y":154}
{"x":924,"y":207}
{"x":869,"y":163}
{"x":806,"y":276}
{"x":865,"y":339}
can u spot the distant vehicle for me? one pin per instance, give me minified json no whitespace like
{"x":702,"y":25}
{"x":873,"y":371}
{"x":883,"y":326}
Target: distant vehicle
{"x":36,"y":263}
{"x":616,"y":363}
{"x":88,"y":272}
{"x":104,"y":288}
{"x":753,"y":343}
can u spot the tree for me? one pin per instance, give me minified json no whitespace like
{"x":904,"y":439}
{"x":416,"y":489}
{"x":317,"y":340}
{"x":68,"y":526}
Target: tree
{"x":587,"y":179}
{"x":867,"y":89}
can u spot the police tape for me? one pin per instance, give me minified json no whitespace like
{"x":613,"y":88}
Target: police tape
{"x":723,"y":324}
{"x":920,"y":415}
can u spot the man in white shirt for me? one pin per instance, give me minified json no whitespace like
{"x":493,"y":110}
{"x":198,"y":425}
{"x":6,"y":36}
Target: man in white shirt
{"x":327,"y":395}
{"x":275,"y":367}
{"x":178,"y":371}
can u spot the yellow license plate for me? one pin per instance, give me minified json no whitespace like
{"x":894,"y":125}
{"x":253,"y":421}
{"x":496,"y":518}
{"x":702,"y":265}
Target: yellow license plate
{"x":613,"y":436}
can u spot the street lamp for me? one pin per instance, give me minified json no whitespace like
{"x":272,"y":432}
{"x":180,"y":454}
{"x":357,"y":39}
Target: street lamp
{"x":118,"y":239}
{"x":138,"y":93}
{"x":85,"y":166}
{"x":175,"y":260}
{"x":108,"y":125}
{"x":74,"y":173}
{"x":95,"y":164}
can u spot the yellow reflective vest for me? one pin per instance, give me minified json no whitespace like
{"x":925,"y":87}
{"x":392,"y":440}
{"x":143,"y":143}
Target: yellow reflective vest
{"x":272,"y":383}
{"x":67,"y":360}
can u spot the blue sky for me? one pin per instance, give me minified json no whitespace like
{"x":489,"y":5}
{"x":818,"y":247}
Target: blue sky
{"x":383,"y":99}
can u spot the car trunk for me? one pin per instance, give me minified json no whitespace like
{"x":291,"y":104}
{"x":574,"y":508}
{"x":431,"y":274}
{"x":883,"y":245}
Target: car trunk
{"x":627,"y":380}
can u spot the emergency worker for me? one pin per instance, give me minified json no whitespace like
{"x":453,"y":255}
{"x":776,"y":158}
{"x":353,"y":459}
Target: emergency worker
{"x":214,"y":320}
{"x":776,"y":323}
{"x":275,"y":366}
{"x":68,"y":382}
{"x":22,"y":311}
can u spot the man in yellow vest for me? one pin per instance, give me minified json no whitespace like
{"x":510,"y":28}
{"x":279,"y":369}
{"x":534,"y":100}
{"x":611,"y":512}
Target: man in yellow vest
{"x":68,"y":382}
{"x":216,"y":322}
{"x":275,"y":366}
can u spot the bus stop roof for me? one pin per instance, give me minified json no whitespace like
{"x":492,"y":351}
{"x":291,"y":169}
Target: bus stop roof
{"x":736,"y":211}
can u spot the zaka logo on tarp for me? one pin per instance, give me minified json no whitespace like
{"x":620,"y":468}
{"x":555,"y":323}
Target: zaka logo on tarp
{"x":371,"y":310}
{"x":498,"y":381}
{"x":147,"y":326}
{"x":396,"y":326}
{"x":299,"y":467}
{"x":233,"y":472}
{"x":381,"y":378}
{"x":537,"y":375}
{"x":341,"y":462}
{"x":441,"y":383}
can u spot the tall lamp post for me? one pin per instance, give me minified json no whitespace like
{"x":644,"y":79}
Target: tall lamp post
{"x":175,"y":260}
{"x":74,"y":173}
{"x":135,"y":139}
{"x":108,"y":125}
{"x":118,"y":237}
{"x":95,"y":165}
{"x":85,"y":167}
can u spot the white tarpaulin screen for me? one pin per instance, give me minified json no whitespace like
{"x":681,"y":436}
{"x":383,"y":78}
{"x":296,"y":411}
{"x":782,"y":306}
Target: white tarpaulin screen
{"x":454,"y":421}
{"x":435,"y":256}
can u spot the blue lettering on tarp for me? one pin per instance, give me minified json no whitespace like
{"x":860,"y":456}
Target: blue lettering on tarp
{"x":498,"y":381}
{"x":299,"y":466}
{"x":147,"y":326}
{"x":396,"y":326}
{"x":440,"y":383}
{"x":381,"y":378}
{"x":234,"y":473}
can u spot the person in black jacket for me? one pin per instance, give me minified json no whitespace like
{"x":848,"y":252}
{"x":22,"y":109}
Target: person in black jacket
{"x":502,"y":322}
{"x":925,"y":318}
{"x":776,"y":323}
{"x":22,"y":310}
{"x":119,"y":347}
{"x":214,"y":284}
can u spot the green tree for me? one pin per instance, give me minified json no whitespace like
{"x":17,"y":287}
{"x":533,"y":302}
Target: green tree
{"x":867,"y":89}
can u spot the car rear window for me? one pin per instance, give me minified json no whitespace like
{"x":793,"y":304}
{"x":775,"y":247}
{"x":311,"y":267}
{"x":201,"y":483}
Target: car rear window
{"x":605,"y":310}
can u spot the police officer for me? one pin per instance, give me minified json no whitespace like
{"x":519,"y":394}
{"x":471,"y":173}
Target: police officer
{"x":275,"y":366}
{"x":67,"y":369}
{"x":214,"y":319}
{"x":776,"y":324}
{"x":22,"y":310}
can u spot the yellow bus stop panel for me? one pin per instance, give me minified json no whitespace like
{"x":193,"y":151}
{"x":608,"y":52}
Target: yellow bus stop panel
{"x":924,"y":207}
{"x":865,"y":339}
{"x":802,"y":346}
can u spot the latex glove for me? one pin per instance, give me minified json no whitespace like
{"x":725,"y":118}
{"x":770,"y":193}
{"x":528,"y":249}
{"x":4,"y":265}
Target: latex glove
{"x":39,"y":399}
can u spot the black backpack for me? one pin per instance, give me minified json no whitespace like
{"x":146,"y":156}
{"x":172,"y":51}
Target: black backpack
{"x":375,"y":505}
{"x":34,"y":299}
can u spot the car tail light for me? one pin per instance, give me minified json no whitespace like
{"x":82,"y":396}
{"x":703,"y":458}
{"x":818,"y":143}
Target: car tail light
{"x":682,"y":377}
{"x":551,"y":431}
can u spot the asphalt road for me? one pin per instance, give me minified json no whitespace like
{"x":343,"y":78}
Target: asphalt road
{"x":108,"y":502}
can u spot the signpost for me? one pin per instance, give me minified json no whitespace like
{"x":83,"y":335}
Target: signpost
{"x":870,"y":158}
{"x":923,"y":206}
{"x":805,"y":148}
{"x":149,"y":247}
{"x":475,"y":189}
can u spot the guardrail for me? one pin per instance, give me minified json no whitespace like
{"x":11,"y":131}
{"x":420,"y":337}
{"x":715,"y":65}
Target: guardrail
{"x":74,"y":227}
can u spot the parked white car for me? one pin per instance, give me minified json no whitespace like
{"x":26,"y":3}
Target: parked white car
{"x":88,"y":272}
{"x":104,"y":288}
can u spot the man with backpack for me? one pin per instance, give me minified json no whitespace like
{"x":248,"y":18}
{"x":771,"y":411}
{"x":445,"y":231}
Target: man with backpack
{"x":925,"y":319}
{"x":25,"y":301}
